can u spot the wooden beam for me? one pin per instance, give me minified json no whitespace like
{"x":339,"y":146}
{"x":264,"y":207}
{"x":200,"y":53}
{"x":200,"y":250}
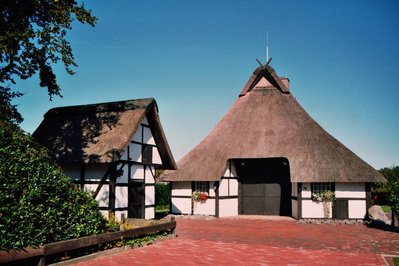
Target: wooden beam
{"x":20,"y":254}
{"x":105,"y":176}
{"x":83,"y":242}
{"x":112,"y":189}
{"x":216,"y":184}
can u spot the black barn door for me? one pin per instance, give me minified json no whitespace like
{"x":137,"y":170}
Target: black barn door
{"x":340,"y":209}
{"x":265,"y":187}
{"x":136,"y":199}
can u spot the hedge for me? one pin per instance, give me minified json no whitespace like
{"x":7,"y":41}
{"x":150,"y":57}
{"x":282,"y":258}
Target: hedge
{"x":38,"y":204}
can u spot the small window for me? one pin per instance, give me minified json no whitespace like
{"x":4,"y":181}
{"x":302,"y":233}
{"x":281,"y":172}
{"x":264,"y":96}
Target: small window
{"x":201,"y":187}
{"x":318,"y":188}
{"x":147,"y":154}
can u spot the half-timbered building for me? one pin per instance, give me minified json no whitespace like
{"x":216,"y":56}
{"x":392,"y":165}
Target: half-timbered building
{"x":267,"y":156}
{"x":111,"y":149}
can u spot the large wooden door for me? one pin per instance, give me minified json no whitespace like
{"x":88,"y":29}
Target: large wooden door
{"x":265,"y":187}
{"x":136,"y":199}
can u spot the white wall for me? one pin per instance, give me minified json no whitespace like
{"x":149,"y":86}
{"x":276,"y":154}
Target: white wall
{"x":156,"y":158}
{"x":136,"y":172}
{"x":228,"y":207}
{"x":149,"y":213}
{"x":184,"y":205}
{"x":118,"y":215}
{"x":95,"y":172}
{"x":310,"y":208}
{"x":313,"y":209}
{"x":121,"y":197}
{"x":181,"y":205}
{"x":357,"y":209}
{"x":350,"y":190}
{"x":206,"y":208}
{"x":228,"y":185}
{"x":224,"y":187}
{"x":102,"y":197}
{"x":181,"y":189}
{"x":355,"y":193}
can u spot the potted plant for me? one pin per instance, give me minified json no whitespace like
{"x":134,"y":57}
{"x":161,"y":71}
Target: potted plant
{"x":198,"y":196}
{"x":326,"y":197}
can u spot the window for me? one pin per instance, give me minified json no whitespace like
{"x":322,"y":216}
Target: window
{"x":201,"y":187}
{"x":147,"y":154}
{"x":318,"y":188}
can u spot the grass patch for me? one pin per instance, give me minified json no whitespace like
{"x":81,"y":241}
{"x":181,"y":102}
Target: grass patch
{"x":162,"y":208}
{"x":396,"y":261}
{"x":386,"y":208}
{"x":161,"y":211}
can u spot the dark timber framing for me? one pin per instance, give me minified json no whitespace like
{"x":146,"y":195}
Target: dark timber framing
{"x":299,"y":200}
{"x":112,"y":189}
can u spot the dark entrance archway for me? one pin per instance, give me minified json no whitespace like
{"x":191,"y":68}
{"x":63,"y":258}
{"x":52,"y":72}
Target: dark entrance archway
{"x":264,"y":186}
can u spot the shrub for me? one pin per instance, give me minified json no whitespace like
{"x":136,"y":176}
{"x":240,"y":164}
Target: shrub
{"x":162,"y":194}
{"x":393,"y":196}
{"x":38,"y":204}
{"x":391,"y":187}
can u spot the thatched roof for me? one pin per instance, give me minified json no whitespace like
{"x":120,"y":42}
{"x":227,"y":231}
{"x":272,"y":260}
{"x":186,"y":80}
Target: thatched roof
{"x":100,"y":133}
{"x":267,"y":122}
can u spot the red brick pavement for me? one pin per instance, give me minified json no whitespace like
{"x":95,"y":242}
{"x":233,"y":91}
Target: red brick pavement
{"x":238,"y":241}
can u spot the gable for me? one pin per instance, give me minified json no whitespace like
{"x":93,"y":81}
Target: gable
{"x":99,"y":133}
{"x":142,"y":147}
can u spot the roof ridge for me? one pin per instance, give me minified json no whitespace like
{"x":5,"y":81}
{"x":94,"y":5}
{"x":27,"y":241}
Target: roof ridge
{"x":269,"y":74}
{"x":101,"y":107}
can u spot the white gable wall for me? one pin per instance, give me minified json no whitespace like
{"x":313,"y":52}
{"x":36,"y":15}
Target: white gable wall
{"x":227,"y":194}
{"x":228,"y":191}
{"x":133,"y":169}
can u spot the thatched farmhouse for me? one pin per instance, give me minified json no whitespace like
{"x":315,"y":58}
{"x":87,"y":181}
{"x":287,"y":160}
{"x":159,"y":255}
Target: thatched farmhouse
{"x":112,"y":149}
{"x":267,"y":156}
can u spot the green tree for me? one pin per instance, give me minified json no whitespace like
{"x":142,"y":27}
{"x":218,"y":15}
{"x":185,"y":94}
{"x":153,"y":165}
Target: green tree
{"x":38,"y":204}
{"x":391,"y":187}
{"x":33,"y":37}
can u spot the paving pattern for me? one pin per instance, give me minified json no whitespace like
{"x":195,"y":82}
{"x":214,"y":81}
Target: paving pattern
{"x":238,"y":241}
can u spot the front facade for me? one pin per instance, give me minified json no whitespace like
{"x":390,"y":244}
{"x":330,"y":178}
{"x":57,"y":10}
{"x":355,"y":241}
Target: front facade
{"x":117,"y":162}
{"x":267,"y":156}
{"x":236,"y":195}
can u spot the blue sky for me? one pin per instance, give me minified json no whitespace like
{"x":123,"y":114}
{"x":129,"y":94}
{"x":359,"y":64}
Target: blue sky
{"x":194,"y":57}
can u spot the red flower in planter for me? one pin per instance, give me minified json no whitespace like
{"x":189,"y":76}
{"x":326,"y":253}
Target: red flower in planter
{"x":199,"y":196}
{"x":203,"y":197}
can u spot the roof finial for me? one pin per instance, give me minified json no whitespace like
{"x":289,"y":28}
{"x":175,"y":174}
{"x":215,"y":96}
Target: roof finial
{"x":263,"y":65}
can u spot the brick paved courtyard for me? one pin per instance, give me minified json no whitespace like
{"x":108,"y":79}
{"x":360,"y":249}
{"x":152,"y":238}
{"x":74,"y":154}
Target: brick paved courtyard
{"x":242,"y":241}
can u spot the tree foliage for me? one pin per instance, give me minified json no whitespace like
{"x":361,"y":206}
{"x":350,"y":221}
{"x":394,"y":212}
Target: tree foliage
{"x":38,"y":204}
{"x":32,"y":38}
{"x":391,"y":187}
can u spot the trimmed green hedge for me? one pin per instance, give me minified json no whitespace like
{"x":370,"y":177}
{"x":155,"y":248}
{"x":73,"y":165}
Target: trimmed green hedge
{"x":38,"y":204}
{"x":162,"y":194}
